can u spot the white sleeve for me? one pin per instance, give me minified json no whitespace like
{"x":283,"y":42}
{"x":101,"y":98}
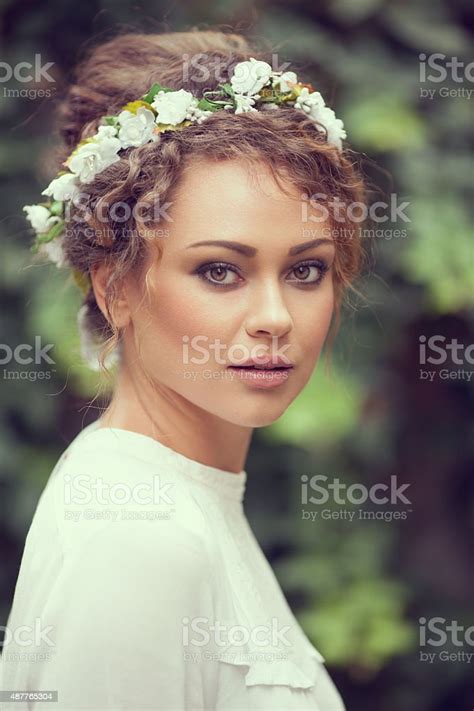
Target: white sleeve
{"x":118,"y":615}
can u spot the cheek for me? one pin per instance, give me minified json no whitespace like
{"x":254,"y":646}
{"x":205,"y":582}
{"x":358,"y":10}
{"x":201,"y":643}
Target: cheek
{"x":177,"y":310}
{"x":313,"y":321}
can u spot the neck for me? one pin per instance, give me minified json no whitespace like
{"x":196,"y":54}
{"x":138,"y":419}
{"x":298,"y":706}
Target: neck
{"x":169,"y":418}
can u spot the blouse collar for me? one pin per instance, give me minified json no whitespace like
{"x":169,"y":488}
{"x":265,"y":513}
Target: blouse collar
{"x":225,"y":483}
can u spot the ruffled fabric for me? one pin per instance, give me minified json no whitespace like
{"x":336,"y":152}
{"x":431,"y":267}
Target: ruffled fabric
{"x":299,"y":673}
{"x":281,"y":672}
{"x":245,"y":571}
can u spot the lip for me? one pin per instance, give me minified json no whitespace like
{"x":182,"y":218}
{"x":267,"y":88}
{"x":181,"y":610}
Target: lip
{"x":264,"y":363}
{"x":263,"y":377}
{"x":268,"y":373}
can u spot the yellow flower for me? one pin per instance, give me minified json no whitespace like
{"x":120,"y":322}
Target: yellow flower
{"x":160,"y":127}
{"x":133,"y":106}
{"x":82,"y":281}
{"x":298,"y":88}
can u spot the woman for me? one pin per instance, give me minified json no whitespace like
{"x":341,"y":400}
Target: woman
{"x":195,"y":206}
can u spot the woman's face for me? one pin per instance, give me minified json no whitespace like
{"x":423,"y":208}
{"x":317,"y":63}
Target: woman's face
{"x":244,"y":296}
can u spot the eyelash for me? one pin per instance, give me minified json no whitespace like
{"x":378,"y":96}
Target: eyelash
{"x":321,"y":265}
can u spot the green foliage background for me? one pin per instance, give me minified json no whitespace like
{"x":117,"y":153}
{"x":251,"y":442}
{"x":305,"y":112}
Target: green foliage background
{"x":358,"y":587}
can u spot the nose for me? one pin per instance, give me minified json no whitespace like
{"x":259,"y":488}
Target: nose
{"x":268,"y":314}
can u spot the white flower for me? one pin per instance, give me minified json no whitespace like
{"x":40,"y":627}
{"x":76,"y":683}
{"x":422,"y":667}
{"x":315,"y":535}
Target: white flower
{"x":285,"y":80}
{"x":334,"y":126}
{"x":40,"y":218}
{"x":251,"y":76}
{"x":136,"y":129}
{"x":90,"y":348}
{"x":173,"y":106}
{"x":105,"y":132}
{"x":196,"y":114}
{"x":310,"y":102}
{"x":95,"y":156}
{"x":63,"y":188}
{"x":244,"y":103}
{"x":54,"y":251}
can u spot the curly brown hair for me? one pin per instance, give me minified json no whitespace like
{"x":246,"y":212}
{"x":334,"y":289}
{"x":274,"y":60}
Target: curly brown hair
{"x":287,"y":141}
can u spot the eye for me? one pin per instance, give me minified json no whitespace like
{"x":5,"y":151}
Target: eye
{"x":309,"y":272}
{"x":219,"y":274}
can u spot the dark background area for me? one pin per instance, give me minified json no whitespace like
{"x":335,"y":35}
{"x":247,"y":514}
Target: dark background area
{"x":359,"y":587}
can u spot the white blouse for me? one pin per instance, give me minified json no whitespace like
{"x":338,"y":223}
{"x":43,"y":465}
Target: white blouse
{"x":142,"y":586}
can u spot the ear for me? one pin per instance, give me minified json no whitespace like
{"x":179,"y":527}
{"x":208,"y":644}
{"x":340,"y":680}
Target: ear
{"x":119,"y":308}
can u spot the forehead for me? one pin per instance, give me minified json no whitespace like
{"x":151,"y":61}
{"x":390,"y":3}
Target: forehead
{"x":235,"y":194}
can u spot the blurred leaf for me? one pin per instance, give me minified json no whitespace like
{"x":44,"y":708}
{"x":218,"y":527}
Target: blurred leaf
{"x":440,"y":253}
{"x":363,"y":626}
{"x":307,"y":421}
{"x":383,"y":122}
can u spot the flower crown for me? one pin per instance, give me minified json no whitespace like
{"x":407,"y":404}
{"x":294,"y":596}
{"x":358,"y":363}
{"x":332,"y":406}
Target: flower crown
{"x":253,"y":86}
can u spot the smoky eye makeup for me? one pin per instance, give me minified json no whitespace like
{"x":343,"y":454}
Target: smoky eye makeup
{"x":222,"y":274}
{"x":308,"y":273}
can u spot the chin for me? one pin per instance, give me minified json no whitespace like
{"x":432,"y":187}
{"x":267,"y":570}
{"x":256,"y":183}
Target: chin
{"x":263,"y":416}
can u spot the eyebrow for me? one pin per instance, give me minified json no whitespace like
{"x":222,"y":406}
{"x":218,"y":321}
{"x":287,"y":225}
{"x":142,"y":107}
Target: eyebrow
{"x":252,"y":251}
